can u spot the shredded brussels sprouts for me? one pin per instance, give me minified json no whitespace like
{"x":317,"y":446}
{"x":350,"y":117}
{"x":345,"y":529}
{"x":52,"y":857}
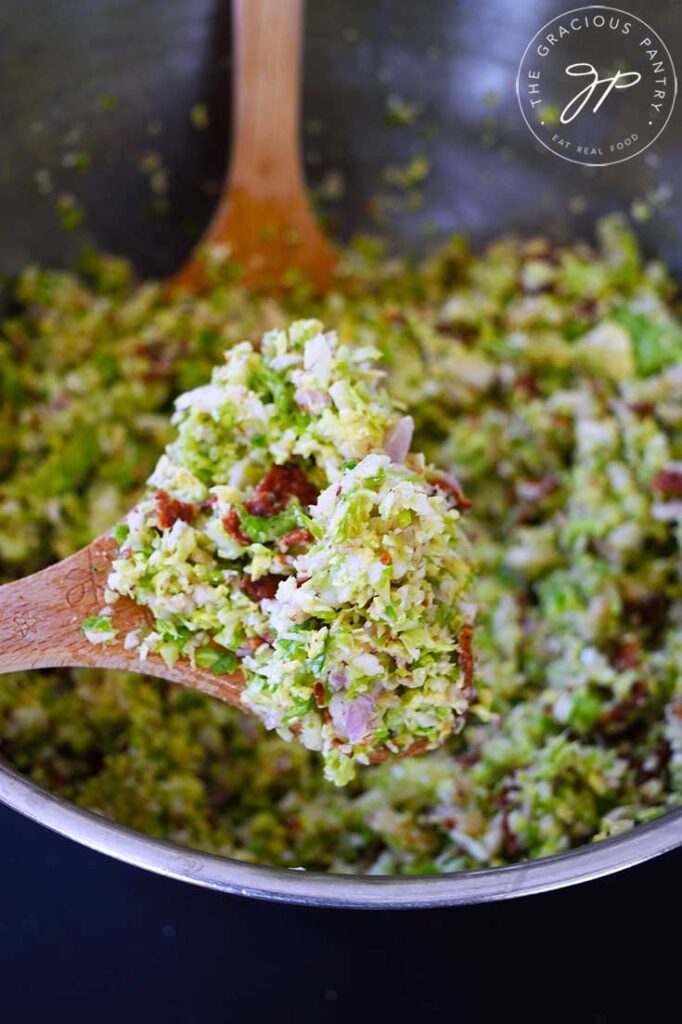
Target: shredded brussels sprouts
{"x":548,"y":380}
{"x":287,"y":524}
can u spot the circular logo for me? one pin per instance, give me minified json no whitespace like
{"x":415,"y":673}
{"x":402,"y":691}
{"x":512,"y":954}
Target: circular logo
{"x":596,"y":85}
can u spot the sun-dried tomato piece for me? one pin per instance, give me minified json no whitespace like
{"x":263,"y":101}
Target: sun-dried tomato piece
{"x":318,"y":694}
{"x":233,"y":526}
{"x":623,"y":715}
{"x":254,"y":642}
{"x":466,"y":655}
{"x":261,"y":589}
{"x":169,"y":510}
{"x":279,"y":484}
{"x":295,"y":538}
{"x":527,"y":384}
{"x":669,"y":481}
{"x":446,"y":483}
{"x":648,"y":610}
{"x":627,"y":654}
{"x":642,"y":408}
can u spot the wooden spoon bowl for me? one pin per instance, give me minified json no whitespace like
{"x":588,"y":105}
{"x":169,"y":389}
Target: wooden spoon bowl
{"x":41,"y":618}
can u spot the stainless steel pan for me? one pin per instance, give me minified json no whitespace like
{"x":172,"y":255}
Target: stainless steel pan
{"x":60,"y":64}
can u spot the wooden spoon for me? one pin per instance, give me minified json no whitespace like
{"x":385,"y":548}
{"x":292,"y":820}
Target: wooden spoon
{"x":263,"y":214}
{"x":40,"y":627}
{"x":41,"y":617}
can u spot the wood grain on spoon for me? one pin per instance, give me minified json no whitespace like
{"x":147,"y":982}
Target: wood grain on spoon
{"x":41,"y":618}
{"x":264,"y":215}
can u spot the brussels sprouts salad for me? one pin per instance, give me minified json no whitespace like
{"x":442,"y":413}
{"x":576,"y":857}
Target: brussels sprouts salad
{"x":548,"y":381}
{"x":289,"y":527}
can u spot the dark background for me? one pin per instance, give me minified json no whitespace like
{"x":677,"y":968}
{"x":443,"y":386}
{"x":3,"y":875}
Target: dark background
{"x":83,"y":938}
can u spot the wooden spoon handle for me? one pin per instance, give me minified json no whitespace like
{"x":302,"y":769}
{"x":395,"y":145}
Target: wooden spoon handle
{"x":41,"y":615}
{"x":41,"y":618}
{"x":267,"y":47}
{"x":263,"y":216}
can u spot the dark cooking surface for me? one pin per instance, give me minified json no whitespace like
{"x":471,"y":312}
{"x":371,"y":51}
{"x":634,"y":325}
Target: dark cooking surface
{"x":84,"y":938}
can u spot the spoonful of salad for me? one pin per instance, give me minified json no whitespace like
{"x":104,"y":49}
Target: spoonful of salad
{"x":289,"y":555}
